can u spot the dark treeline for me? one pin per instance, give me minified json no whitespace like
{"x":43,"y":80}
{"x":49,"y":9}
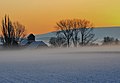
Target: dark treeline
{"x":70,"y":32}
{"x":73,"y":31}
{"x":110,"y":41}
{"x":12,"y":32}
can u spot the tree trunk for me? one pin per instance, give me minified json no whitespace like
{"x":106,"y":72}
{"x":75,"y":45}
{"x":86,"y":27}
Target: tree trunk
{"x":82,"y":39}
{"x":68,"y":42}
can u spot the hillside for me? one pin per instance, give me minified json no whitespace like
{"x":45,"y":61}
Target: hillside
{"x":100,"y":33}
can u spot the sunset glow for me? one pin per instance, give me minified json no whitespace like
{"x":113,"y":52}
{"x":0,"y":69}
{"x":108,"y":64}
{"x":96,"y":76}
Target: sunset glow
{"x":40,"y":16}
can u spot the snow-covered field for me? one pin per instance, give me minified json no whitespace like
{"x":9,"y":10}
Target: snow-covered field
{"x":73,"y":65}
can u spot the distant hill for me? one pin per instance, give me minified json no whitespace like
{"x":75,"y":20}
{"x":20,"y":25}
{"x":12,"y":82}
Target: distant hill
{"x":100,"y":33}
{"x":46,"y":36}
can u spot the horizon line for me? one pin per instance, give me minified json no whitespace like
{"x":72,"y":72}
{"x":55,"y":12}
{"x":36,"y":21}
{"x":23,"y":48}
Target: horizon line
{"x":94,"y":27}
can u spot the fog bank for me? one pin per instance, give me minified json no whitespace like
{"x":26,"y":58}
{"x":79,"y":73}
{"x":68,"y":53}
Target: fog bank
{"x":41,"y":54}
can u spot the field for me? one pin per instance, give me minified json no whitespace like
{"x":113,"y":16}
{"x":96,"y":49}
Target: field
{"x":73,"y":65}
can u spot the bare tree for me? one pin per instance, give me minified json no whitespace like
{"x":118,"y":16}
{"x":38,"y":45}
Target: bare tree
{"x":65,"y":28}
{"x":11,"y":33}
{"x":86,"y":30}
{"x":19,"y":30}
{"x":76,"y":30}
{"x":57,"y":41}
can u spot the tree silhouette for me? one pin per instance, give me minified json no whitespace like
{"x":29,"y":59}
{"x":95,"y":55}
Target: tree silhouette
{"x":58,"y":41}
{"x":19,"y":30}
{"x":11,"y":32}
{"x":110,"y":40}
{"x":76,"y":30}
{"x":86,"y":30}
{"x":65,"y":28}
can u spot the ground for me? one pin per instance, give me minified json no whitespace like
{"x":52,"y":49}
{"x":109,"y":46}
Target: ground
{"x":74,"y":65}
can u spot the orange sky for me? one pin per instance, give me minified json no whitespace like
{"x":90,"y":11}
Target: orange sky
{"x":40,"y":16}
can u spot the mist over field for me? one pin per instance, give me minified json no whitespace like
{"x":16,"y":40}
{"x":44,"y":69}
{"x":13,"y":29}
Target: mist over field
{"x":73,"y":65}
{"x":59,"y":41}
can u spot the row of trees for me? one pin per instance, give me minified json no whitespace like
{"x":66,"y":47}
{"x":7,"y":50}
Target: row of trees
{"x":70,"y":31}
{"x":110,"y":40}
{"x":12,"y":32}
{"x":77,"y":31}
